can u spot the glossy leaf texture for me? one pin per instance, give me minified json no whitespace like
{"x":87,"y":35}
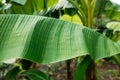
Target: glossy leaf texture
{"x":47,"y":40}
{"x":31,"y":6}
{"x":35,"y":74}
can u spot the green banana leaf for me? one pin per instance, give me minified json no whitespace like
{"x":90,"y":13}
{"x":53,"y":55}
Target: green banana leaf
{"x":12,"y":74}
{"x":74,"y":19}
{"x":47,"y":40}
{"x":79,"y":73}
{"x":100,"y":6}
{"x":31,"y":6}
{"x":61,"y":5}
{"x":21,"y":2}
{"x":35,"y":74}
{"x":1,"y":4}
{"x":112,"y":11}
{"x":114,"y":25}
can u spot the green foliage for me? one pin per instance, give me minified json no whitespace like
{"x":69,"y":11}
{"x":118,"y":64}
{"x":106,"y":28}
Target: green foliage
{"x":12,"y":73}
{"x":35,"y":74}
{"x":47,"y":40}
{"x":31,"y":6}
{"x":35,"y":37}
{"x":1,"y":4}
{"x":31,"y":74}
{"x":74,"y":19}
{"x":100,"y":6}
{"x":114,"y":25}
{"x":81,"y":68}
{"x":70,"y":11}
{"x":21,"y":2}
{"x":113,"y":10}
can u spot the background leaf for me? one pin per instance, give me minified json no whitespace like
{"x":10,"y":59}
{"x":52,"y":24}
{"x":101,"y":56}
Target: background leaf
{"x":32,"y":6}
{"x":74,"y":19}
{"x":112,"y":10}
{"x":114,"y":25}
{"x":35,"y":74}
{"x":22,"y":2}
{"x":12,"y":73}
{"x":79,"y":73}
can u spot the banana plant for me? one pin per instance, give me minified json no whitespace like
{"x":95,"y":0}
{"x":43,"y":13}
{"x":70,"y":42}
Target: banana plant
{"x":99,"y":10}
{"x":38,"y":39}
{"x":47,"y":40}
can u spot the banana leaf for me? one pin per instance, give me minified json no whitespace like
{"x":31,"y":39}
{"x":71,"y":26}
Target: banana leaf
{"x":61,"y":5}
{"x":113,"y":25}
{"x":81,"y":68}
{"x":30,"y":6}
{"x":12,"y":74}
{"x":112,"y":10}
{"x":35,"y":74}
{"x":21,"y":2}
{"x":47,"y":40}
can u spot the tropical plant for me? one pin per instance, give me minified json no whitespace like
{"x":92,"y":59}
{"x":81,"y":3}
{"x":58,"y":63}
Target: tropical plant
{"x":47,"y":40}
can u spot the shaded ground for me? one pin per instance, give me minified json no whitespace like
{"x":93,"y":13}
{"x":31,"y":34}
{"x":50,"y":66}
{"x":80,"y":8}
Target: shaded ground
{"x":58,"y":71}
{"x":105,"y":71}
{"x":108,"y":71}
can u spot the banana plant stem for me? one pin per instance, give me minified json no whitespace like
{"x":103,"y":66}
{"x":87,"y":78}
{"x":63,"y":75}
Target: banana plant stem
{"x":89,"y":13}
{"x":82,"y":14}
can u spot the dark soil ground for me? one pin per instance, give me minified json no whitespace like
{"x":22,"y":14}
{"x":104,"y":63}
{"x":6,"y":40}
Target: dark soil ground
{"x":104,"y":70}
{"x":108,"y":71}
{"x":58,"y":71}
